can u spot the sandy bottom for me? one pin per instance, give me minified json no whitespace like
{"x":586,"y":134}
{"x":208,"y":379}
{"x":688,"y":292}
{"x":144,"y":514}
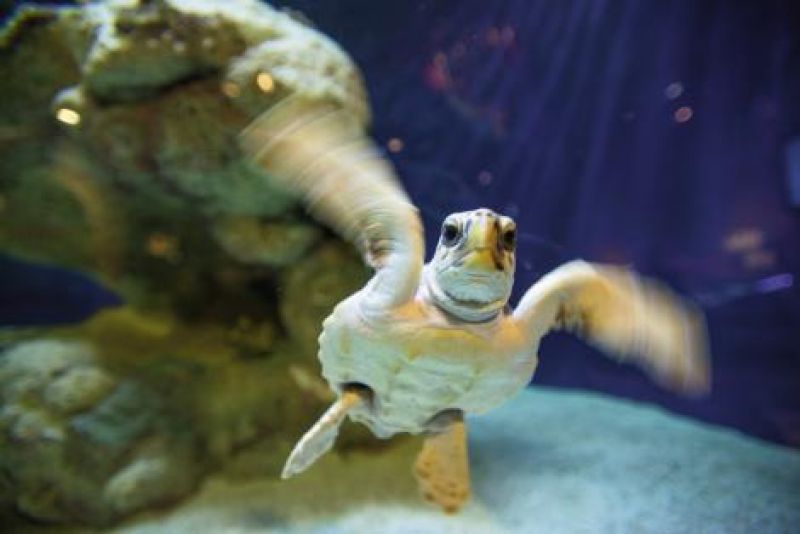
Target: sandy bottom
{"x":549,"y":461}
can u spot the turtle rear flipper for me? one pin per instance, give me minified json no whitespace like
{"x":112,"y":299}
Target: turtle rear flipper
{"x":442,"y":467}
{"x":320,"y":438}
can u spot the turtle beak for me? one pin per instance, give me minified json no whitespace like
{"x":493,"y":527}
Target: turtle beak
{"x":482,"y":243}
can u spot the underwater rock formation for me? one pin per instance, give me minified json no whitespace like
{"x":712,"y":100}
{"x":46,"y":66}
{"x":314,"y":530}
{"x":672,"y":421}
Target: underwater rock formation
{"x":307,"y":288}
{"x":269,"y":243}
{"x":120,"y":159}
{"x":150,"y":96}
{"x":128,"y":412}
{"x":72,"y":436}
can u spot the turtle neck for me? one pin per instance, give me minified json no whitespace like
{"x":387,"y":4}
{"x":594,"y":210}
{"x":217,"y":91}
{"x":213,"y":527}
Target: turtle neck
{"x":467,"y":311}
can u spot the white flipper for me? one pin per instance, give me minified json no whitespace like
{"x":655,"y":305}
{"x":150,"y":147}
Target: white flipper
{"x":632,"y":318}
{"x":320,"y":438}
{"x":320,"y":153}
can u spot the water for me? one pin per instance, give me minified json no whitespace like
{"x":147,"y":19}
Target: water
{"x":148,"y":267}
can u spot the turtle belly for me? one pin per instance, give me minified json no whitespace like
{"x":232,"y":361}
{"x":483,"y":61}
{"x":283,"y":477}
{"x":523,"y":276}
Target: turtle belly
{"x":419,"y":389}
{"x":416,"y":371}
{"x":406,"y":394}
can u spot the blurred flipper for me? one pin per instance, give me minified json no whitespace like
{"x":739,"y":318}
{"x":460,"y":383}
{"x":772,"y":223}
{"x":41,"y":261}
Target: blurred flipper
{"x":631,"y":318}
{"x":319,"y":152}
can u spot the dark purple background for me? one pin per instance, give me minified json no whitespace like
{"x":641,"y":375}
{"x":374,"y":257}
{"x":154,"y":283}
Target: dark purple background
{"x":643,"y":132}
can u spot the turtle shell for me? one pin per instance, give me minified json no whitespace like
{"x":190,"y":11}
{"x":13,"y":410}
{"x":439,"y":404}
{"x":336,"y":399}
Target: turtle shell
{"x":418,"y":362}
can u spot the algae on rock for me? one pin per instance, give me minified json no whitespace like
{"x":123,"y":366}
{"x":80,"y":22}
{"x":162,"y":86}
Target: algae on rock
{"x":61,"y":461}
{"x":119,"y":159}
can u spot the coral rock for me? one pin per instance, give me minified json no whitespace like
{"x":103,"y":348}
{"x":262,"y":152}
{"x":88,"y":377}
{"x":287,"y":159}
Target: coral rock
{"x":119,"y":157}
{"x":270,"y":243}
{"x":78,"y":389}
{"x":146,"y":481}
{"x":68,"y":433}
{"x":314,"y":286}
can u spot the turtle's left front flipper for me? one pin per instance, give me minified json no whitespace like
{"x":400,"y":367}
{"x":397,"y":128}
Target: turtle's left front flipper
{"x":320,"y":438}
{"x":629,"y":317}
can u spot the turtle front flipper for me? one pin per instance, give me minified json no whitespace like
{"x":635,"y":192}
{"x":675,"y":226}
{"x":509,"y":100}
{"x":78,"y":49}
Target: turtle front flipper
{"x":322,"y":154}
{"x":320,"y":437}
{"x":442,"y":468}
{"x":629,"y":317}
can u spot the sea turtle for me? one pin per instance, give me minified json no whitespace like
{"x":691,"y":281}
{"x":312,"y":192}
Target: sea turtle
{"x":420,"y":347}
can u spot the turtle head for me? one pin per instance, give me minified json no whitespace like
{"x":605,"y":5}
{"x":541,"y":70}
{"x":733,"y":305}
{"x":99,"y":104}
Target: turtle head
{"x":472,"y":272}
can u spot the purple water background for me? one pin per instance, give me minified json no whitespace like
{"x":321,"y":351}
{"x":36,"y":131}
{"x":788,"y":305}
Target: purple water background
{"x":640,"y":132}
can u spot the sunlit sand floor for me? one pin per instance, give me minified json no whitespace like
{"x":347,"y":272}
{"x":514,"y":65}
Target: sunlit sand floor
{"x":549,"y":461}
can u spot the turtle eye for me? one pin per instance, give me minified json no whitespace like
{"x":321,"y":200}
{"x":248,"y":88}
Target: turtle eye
{"x":510,"y":239}
{"x":450,"y":233}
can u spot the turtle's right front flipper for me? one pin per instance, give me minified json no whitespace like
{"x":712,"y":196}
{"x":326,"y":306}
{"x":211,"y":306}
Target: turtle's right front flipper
{"x":321,"y":153}
{"x":320,"y":437}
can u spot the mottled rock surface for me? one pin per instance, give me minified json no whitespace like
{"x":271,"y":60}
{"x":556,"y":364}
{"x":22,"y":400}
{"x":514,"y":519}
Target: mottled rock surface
{"x":549,"y":461}
{"x":329,"y":272}
{"x":119,"y":158}
{"x":120,"y":151}
{"x":141,"y":429}
{"x":120,"y":154}
{"x":70,"y":431}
